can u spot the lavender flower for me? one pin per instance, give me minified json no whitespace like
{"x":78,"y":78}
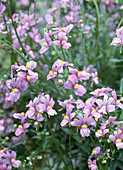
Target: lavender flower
{"x":45,"y":43}
{"x":2,"y":8}
{"x":82,"y":75}
{"x":72,"y":83}
{"x":118,"y":41}
{"x":67,"y":103}
{"x":65,"y":30}
{"x":31,"y":77}
{"x":10,"y":158}
{"x":105,"y":106}
{"x":62,"y":41}
{"x":68,"y":117}
{"x":116,"y":101}
{"x":117,"y":138}
{"x":47,"y":105}
{"x":34,"y":111}
{"x":57,"y":67}
{"x":35,"y":35}
{"x":17,"y":87}
{"x":101,"y":132}
{"x":83,"y":123}
{"x":92,"y":164}
{"x":27,"y":21}
{"x":22,"y":128}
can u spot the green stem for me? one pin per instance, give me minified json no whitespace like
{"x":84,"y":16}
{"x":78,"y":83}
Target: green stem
{"x":120,"y":23}
{"x":98,"y":26}
{"x":57,"y":145}
{"x":33,"y":87}
{"x":92,"y":139}
{"x":63,"y":53}
{"x":83,"y":41}
{"x":70,"y":141}
{"x":48,"y":161}
{"x":13,"y":24}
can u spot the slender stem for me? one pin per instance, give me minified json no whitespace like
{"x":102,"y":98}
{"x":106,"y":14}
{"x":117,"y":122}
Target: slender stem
{"x":120,"y":23}
{"x":57,"y":145}
{"x":70,"y":142}
{"x":63,"y":53}
{"x":48,"y":161}
{"x":13,"y":24}
{"x":92,"y":139}
{"x":83,"y":41}
{"x":98,"y":26}
{"x":33,"y":87}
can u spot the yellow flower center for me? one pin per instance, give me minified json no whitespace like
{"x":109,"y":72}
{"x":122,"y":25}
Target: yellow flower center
{"x":86,"y":101}
{"x":36,"y":21}
{"x":94,"y":152}
{"x":79,"y":101}
{"x":104,"y":106}
{"x":49,"y":107}
{"x":51,"y":20}
{"x":61,"y":63}
{"x":50,"y":71}
{"x":84,"y":126}
{"x":27,"y":65}
{"x":118,"y":100}
{"x":31,"y":51}
{"x":27,"y":23}
{"x":36,"y":36}
{"x":96,"y":90}
{"x":7,"y":94}
{"x":104,"y":153}
{"x":28,"y":77}
{"x":91,"y":165}
{"x":65,"y":101}
{"x":1,"y":150}
{"x":19,"y":28}
{"x":9,"y":19}
{"x":99,"y":131}
{"x":19,"y":137}
{"x":97,"y":78}
{"x":63,"y":28}
{"x":19,"y":126}
{"x":76,"y":86}
{"x":8,"y":122}
{"x":79,"y":72}
{"x":12,"y":159}
{"x":107,"y":3}
{"x":96,"y":119}
{"x":22,"y":113}
{"x":31,"y":108}
{"x":118,"y":140}
{"x":71,"y":18}
{"x":45,"y":43}
{"x":117,"y":38}
{"x":82,"y":24}
{"x":38,"y":114}
{"x":65,"y":116}
{"x":15,"y":89}
{"x":63,"y":41}
{"x":94,"y":110}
